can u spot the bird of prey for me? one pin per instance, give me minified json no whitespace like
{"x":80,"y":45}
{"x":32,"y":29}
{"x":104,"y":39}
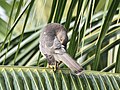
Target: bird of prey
{"x":53,"y":42}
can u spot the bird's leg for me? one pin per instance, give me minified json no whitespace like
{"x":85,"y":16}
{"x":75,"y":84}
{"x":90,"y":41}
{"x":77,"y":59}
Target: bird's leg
{"x":55,"y":66}
{"x":48,"y":65}
{"x":58,"y":63}
{"x":51,"y":67}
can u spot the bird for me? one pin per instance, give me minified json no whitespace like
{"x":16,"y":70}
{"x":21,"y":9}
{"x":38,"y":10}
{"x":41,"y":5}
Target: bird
{"x":53,"y":43}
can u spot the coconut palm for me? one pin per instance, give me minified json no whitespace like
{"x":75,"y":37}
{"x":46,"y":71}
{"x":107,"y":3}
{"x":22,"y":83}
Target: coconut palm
{"x":93,"y":29}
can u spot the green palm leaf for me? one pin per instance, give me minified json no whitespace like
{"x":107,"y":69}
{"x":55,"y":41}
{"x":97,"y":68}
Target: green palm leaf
{"x":29,"y":78}
{"x":91,"y":27}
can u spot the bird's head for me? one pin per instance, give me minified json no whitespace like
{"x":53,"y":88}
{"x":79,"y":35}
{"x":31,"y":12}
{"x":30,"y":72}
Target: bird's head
{"x":62,"y":37}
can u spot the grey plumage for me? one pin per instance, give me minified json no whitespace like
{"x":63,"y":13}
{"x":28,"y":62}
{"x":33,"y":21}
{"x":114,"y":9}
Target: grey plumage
{"x":53,"y":41}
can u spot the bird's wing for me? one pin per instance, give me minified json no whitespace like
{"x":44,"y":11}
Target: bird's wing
{"x":61,"y":55}
{"x":46,"y":42}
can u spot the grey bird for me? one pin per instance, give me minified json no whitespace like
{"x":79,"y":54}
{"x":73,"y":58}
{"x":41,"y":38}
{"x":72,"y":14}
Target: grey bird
{"x":53,"y":42}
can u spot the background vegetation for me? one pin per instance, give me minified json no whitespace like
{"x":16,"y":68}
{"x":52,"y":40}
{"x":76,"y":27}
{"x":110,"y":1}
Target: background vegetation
{"x":93,"y":28}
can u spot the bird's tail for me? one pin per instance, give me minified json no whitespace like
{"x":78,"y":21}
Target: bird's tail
{"x":68,"y":61}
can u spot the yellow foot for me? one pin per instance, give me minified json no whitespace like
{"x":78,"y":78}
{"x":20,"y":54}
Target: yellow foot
{"x":52,"y":67}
